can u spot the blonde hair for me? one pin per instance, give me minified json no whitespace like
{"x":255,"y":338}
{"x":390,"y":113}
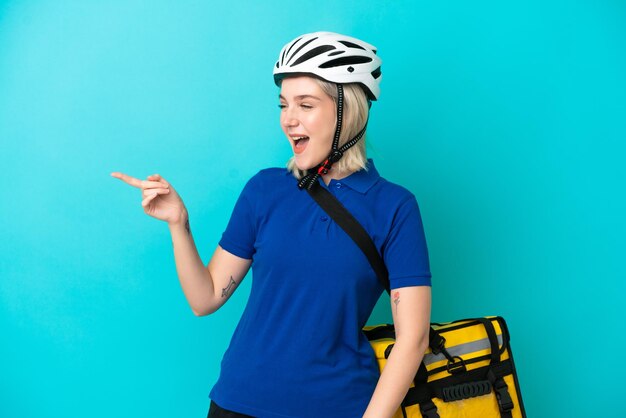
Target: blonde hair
{"x":355,"y":112}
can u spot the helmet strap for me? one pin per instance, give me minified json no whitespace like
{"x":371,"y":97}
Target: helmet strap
{"x":336,"y":153}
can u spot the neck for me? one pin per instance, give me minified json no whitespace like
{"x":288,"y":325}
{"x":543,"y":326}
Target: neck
{"x":332,"y":175}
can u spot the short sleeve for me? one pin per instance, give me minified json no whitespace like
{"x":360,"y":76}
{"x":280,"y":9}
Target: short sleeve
{"x":405,"y":252}
{"x":240,"y":234}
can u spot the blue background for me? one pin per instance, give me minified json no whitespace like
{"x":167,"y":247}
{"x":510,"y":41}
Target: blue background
{"x":505,"y":119}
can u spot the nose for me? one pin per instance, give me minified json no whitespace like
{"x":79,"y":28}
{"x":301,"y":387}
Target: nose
{"x":288,"y":118}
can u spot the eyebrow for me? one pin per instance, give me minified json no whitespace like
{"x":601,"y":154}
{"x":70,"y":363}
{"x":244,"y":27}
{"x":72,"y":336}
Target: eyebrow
{"x":301,"y":97}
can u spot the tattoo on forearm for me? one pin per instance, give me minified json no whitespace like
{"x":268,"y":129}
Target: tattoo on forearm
{"x":187,"y":227}
{"x":396,"y":300}
{"x":230,"y":288}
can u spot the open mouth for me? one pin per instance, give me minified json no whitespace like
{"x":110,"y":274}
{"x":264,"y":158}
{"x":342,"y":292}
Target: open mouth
{"x":300,"y":143}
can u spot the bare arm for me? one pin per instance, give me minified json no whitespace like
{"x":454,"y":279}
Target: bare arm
{"x":206,"y":288}
{"x":410,"y":308}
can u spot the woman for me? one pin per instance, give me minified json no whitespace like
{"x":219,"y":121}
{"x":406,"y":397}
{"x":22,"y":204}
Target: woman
{"x":298,"y":350}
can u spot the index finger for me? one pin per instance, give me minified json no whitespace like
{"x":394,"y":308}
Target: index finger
{"x":127,"y":179}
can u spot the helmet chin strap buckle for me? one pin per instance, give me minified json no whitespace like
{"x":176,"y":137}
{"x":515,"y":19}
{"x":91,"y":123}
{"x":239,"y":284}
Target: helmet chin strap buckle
{"x":328,"y":163}
{"x":325,"y":167}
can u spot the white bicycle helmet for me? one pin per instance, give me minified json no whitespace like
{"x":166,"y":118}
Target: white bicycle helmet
{"x":332,"y":57}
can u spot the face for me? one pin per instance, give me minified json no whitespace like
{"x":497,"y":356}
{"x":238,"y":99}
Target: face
{"x":308,"y":118}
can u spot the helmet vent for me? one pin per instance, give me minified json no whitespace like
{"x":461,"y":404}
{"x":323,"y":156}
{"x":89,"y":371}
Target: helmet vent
{"x":313,"y":53}
{"x":376,"y":73}
{"x":335,"y":53}
{"x":351,"y":45}
{"x":287,"y":51}
{"x":298,"y":50}
{"x":345,"y":61}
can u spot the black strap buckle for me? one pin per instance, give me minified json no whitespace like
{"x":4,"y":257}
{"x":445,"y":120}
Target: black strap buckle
{"x":437,"y":343}
{"x":429,"y":410}
{"x":502,"y":394}
{"x":456,"y":365}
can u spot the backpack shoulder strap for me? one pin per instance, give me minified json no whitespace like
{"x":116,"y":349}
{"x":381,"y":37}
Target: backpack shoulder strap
{"x":359,"y":235}
{"x":353,"y":228}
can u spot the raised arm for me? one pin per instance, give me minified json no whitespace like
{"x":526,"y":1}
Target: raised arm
{"x":206,"y":288}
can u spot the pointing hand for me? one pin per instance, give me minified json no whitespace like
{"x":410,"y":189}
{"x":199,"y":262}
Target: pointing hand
{"x":160,"y":200}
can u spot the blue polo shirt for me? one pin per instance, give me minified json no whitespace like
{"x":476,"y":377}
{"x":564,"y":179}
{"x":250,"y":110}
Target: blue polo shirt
{"x":298,"y":350}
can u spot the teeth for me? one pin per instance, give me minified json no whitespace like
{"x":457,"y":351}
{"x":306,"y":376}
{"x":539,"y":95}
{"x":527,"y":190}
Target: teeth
{"x":301,"y":137}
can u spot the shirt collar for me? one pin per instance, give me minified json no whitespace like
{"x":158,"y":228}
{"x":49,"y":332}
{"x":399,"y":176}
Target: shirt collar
{"x":361,"y":180}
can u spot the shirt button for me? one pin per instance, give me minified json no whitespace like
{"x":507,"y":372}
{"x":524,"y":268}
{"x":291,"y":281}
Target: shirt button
{"x":324,"y":218}
{"x":338,"y":185}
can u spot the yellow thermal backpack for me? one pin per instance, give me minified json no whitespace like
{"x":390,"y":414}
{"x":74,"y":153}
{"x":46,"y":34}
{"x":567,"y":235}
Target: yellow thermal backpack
{"x":467,"y":372}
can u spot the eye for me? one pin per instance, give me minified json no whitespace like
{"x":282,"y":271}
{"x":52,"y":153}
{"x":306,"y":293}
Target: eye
{"x":306,"y":106}
{"x":282,"y":106}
